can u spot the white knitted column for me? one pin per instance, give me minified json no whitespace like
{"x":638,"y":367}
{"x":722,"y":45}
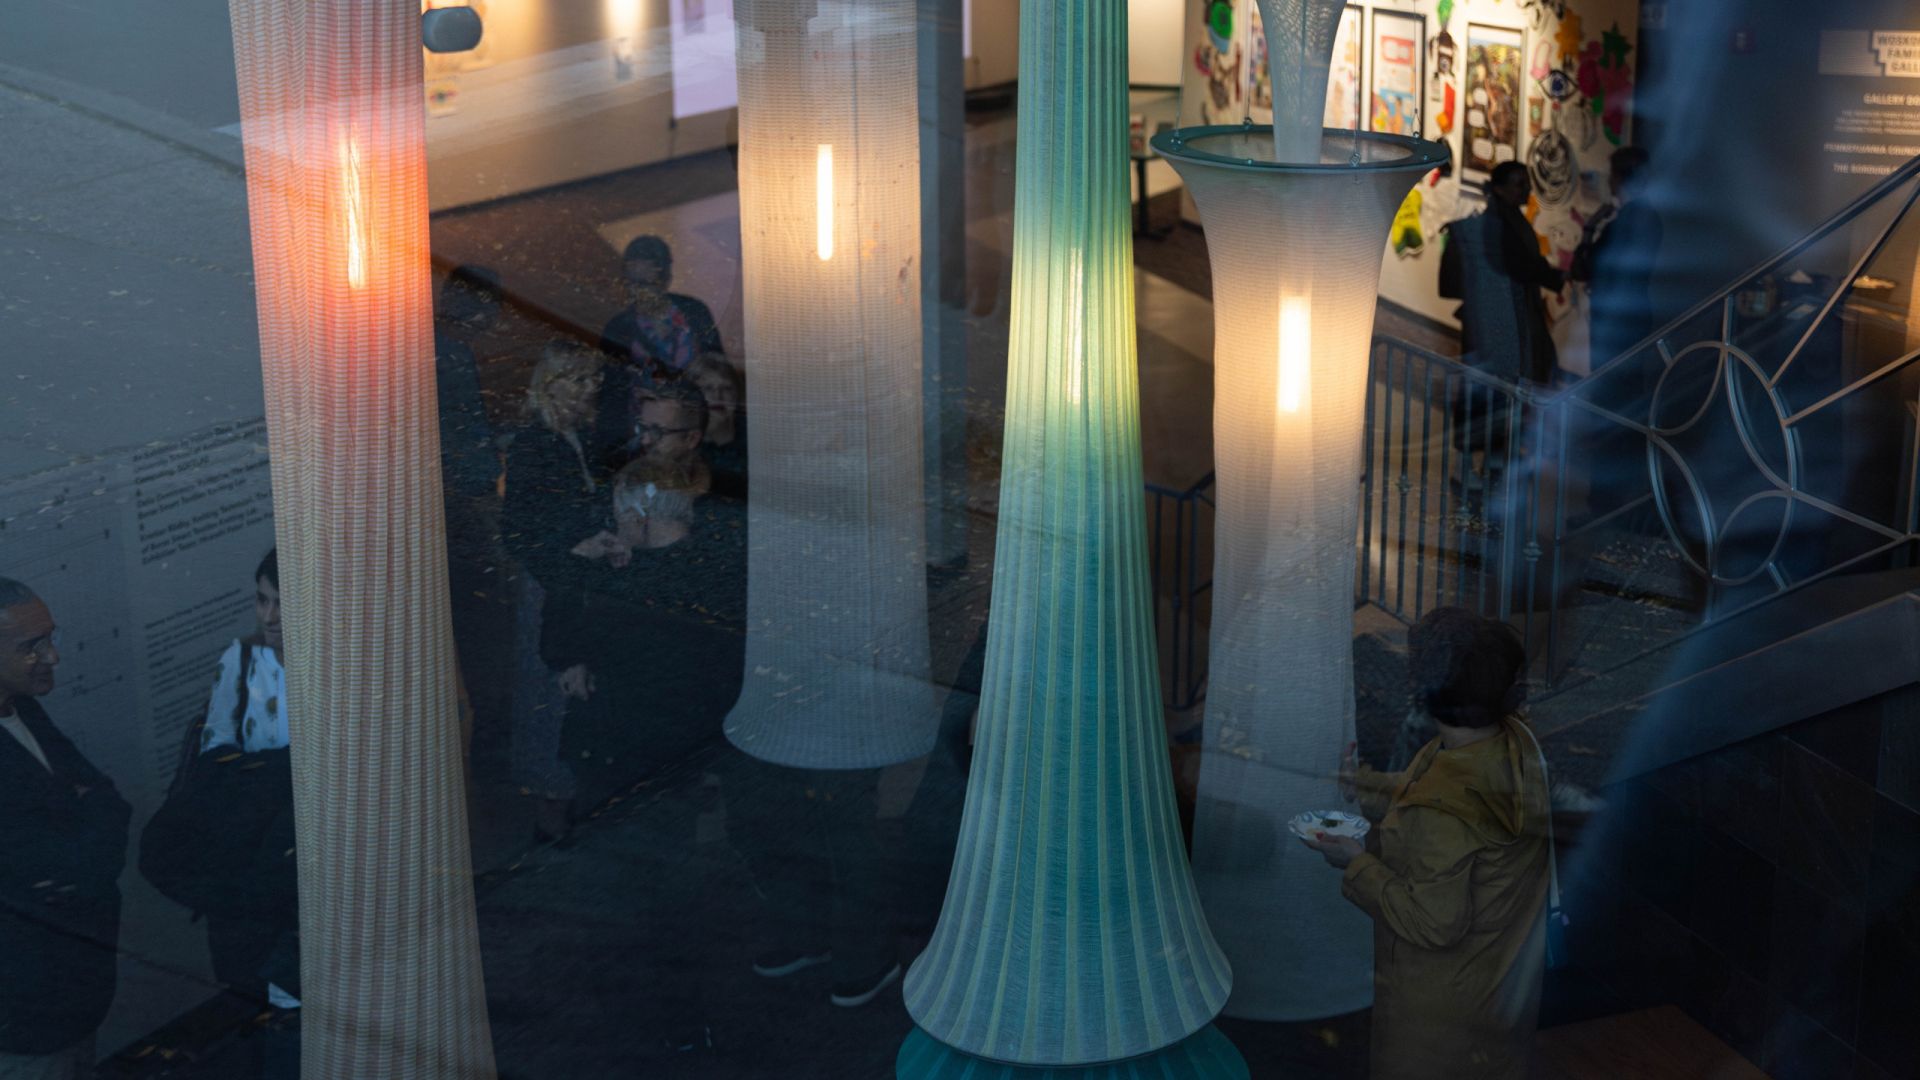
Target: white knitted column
{"x":1296,"y":252}
{"x":332,"y":112}
{"x":836,"y":664}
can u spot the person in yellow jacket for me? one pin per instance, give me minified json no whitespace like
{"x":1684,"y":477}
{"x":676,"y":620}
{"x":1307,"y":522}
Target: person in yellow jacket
{"x":1455,"y":871}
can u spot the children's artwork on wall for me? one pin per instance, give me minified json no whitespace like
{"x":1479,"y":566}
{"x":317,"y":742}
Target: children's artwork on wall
{"x":1544,"y":83}
{"x":1409,"y":238}
{"x":1219,"y":57}
{"x":1492,"y":132}
{"x":1550,"y":162}
{"x":1343,"y":81}
{"x":1399,"y":43}
{"x":1442,"y":101}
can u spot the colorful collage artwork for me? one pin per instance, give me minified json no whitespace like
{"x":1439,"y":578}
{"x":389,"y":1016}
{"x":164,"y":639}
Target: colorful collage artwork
{"x":1545,"y":83}
{"x":1493,"y":92}
{"x":1399,"y":42}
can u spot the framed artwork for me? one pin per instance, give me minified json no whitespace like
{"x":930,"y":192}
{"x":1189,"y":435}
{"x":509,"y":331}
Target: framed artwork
{"x":1395,"y":75}
{"x":1494,"y":67}
{"x":1343,"y":79}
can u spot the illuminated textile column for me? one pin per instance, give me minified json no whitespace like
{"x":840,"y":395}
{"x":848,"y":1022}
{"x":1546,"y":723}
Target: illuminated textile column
{"x":332,"y":111}
{"x":1300,"y":36}
{"x":1071,"y":934}
{"x":836,"y":668}
{"x":1296,"y":252}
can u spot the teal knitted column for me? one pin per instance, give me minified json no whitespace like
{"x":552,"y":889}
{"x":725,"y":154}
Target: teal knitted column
{"x":1071,"y":938}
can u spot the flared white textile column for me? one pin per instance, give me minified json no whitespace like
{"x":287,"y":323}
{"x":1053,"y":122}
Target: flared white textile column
{"x":333,"y":118}
{"x":1296,"y":253}
{"x":836,"y":662}
{"x":1300,"y":36}
{"x":1071,"y":934}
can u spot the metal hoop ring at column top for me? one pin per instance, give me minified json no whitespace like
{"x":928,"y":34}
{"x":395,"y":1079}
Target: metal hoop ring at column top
{"x":1418,"y":155}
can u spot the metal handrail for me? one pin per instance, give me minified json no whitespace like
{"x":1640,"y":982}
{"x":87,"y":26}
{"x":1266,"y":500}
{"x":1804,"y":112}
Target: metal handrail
{"x":1907,"y":172}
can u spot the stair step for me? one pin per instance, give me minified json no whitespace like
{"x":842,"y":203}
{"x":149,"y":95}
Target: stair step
{"x":1654,"y":1044}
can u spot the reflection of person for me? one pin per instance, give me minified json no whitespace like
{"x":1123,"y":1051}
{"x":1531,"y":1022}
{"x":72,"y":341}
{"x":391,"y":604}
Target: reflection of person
{"x":719,"y":385}
{"x":821,"y":853}
{"x":63,"y":827}
{"x":469,"y":306}
{"x":658,"y":331}
{"x":1503,"y":314}
{"x":1495,"y":256}
{"x":669,"y":428}
{"x":1455,"y":872}
{"x":1615,"y":259}
{"x":253,"y":937}
{"x":556,"y":490}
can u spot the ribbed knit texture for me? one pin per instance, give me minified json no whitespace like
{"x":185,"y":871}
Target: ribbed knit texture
{"x":332,"y":107}
{"x":836,"y":670}
{"x":1300,"y":36}
{"x":1279,"y":711}
{"x":1071,"y":932}
{"x":1205,"y":1054}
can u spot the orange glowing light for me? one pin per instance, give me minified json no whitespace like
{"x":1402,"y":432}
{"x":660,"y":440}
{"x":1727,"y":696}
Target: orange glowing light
{"x":353,"y":194}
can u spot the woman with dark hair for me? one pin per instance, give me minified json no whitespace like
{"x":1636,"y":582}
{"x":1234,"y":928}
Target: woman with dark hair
{"x":1455,"y":872}
{"x":222,"y":844}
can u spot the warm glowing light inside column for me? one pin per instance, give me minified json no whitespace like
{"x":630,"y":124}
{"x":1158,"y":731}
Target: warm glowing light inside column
{"x":823,"y":196}
{"x":354,"y":218}
{"x":1296,"y":346}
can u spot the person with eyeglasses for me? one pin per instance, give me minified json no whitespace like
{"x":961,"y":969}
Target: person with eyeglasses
{"x":669,"y":431}
{"x":63,"y":827}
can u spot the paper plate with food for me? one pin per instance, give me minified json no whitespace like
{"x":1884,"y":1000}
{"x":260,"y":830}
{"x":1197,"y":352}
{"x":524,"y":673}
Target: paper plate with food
{"x":1329,"y":823}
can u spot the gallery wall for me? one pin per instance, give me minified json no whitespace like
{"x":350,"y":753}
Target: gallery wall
{"x":1763,"y":121}
{"x":1546,"y":82}
{"x":532,"y":106}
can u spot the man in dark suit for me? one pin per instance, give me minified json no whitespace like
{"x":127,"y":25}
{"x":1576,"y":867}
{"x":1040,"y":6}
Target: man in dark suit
{"x":63,"y":828}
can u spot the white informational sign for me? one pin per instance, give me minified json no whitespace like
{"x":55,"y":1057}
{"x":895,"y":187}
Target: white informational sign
{"x":1876,"y":122}
{"x":146,"y":561}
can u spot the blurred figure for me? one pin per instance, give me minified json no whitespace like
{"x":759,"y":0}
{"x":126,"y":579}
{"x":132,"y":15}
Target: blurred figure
{"x":652,"y":508}
{"x":470,"y":468}
{"x":63,"y":827}
{"x":254,"y":934}
{"x":719,"y":385}
{"x":470,"y":461}
{"x":658,"y":332}
{"x":1615,"y":258}
{"x":1455,"y":871}
{"x":823,"y":855}
{"x":1495,"y":261}
{"x":669,"y":429}
{"x":1503,"y":316}
{"x":555,"y":514}
{"x":725,"y":441}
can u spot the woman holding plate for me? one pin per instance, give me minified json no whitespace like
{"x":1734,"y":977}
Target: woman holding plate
{"x":1456,"y":873}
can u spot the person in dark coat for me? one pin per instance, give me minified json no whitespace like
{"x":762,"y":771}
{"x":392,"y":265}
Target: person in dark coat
{"x":63,"y":827}
{"x":558,"y":516}
{"x":647,"y":268}
{"x":654,"y":339}
{"x":1503,"y":315}
{"x":1615,"y":258}
{"x":656,"y":626}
